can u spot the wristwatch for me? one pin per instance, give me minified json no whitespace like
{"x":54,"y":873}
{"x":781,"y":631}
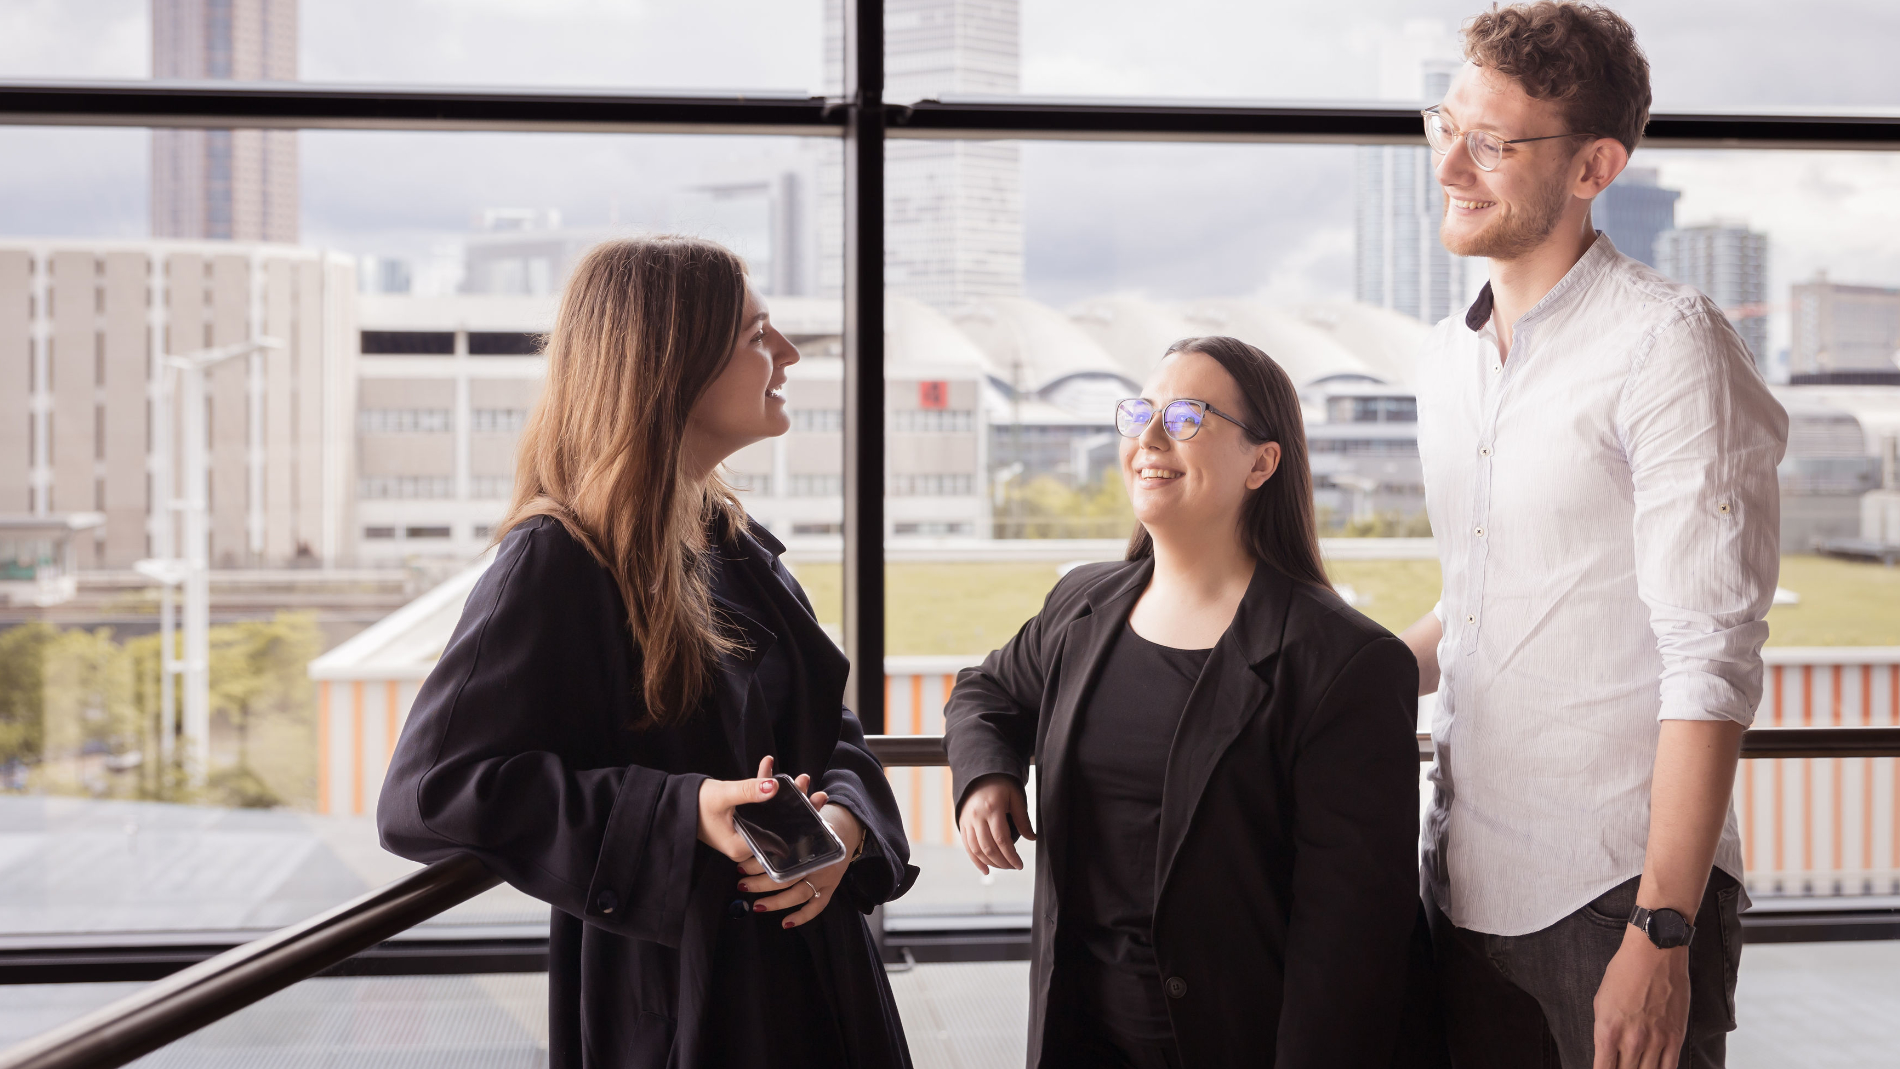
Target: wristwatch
{"x":1665,"y":927}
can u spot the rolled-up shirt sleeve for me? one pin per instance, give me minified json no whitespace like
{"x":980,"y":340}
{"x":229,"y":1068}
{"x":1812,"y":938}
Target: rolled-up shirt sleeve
{"x":1704,"y":435}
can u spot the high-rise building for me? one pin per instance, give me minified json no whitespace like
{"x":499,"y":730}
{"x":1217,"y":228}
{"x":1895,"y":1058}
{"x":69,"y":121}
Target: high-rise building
{"x":1845,"y":334}
{"x":1634,"y":210}
{"x":953,"y":209}
{"x":1398,"y":207}
{"x":85,"y":327}
{"x":1729,"y":263}
{"x":224,"y":185}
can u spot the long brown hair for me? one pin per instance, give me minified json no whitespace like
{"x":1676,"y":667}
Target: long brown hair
{"x":1276,"y":521}
{"x":644,"y":326}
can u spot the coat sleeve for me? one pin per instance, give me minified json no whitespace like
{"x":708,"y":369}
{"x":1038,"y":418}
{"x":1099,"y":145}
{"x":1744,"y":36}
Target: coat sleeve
{"x":857,"y":782}
{"x":1355,"y":870}
{"x":855,"y":779}
{"x":990,"y":721}
{"x":487,"y":764}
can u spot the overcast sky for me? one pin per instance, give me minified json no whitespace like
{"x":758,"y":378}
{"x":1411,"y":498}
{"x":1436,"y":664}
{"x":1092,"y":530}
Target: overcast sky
{"x":1172,"y":220}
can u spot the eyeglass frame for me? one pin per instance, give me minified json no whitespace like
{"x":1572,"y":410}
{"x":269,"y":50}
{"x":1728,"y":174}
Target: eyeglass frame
{"x":1433,"y":113}
{"x":1203,"y":408}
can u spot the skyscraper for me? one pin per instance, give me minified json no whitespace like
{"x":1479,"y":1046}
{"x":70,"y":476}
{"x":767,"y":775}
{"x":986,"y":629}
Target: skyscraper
{"x":1398,"y":206}
{"x":953,"y":209}
{"x":1633,"y":210}
{"x":1729,"y":263}
{"x":229,"y":185}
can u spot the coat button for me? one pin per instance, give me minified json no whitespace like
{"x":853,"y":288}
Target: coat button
{"x":739,"y":908}
{"x":606,"y":901}
{"x":1177,"y":987}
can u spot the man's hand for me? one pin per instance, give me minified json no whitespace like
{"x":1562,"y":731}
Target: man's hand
{"x":1642,"y":1007}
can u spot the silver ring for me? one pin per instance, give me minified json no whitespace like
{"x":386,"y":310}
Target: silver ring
{"x":816,"y":894}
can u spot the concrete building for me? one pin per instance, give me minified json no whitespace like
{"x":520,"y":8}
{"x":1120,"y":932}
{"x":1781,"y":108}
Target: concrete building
{"x":1845,"y":335}
{"x":84,"y":326}
{"x":953,"y":209}
{"x":1634,"y":211}
{"x":1729,"y":263}
{"x":1827,"y":468}
{"x":225,"y":185}
{"x":1398,"y":207}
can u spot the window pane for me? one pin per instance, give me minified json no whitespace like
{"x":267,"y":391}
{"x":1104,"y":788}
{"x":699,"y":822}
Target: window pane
{"x":359,"y":468}
{"x":670,"y":45}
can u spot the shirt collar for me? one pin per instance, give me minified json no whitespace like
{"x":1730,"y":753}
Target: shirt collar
{"x":1594,"y":262}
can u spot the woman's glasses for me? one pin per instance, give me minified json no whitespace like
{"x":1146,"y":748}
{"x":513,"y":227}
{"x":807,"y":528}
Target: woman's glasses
{"x":1487,"y":149}
{"x":1181,"y":418}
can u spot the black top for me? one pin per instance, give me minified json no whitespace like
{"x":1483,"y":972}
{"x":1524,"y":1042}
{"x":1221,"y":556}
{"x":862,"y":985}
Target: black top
{"x":1121,"y":753}
{"x":522,"y":749}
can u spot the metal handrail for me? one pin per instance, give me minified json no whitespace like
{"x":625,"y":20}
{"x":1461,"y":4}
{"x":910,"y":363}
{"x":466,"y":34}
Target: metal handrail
{"x":190,"y":999}
{"x":928,"y":750}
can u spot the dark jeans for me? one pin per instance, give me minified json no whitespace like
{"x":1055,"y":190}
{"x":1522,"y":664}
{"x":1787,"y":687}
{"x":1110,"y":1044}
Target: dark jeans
{"x":1525,"y":1001}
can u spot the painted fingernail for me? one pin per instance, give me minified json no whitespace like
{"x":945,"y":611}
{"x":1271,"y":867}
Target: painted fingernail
{"x":766,"y":785}
{"x":788,"y":924}
{"x":742,"y":885}
{"x":758,"y":907}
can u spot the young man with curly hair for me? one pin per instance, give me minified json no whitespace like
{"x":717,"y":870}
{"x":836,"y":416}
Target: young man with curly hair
{"x":1599,"y":455}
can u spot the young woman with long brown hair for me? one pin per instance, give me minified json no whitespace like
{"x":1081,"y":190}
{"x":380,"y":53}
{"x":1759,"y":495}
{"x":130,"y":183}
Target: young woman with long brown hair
{"x":1227,"y":778}
{"x":633,"y":653}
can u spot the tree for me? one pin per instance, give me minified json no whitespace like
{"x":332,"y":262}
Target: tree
{"x":258,"y":683}
{"x":23,"y":694}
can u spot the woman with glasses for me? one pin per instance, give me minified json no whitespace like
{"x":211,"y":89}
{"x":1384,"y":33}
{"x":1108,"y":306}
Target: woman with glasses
{"x":1227,"y":798}
{"x":633,"y":654}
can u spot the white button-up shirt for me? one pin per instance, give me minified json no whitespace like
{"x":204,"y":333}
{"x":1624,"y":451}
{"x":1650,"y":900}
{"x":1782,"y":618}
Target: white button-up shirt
{"x":1607,"y":519}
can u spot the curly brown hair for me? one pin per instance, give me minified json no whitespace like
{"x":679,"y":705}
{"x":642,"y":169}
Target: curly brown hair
{"x":1582,"y":56}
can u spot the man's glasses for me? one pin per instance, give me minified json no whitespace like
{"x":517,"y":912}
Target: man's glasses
{"x":1487,"y":150}
{"x":1181,"y":418}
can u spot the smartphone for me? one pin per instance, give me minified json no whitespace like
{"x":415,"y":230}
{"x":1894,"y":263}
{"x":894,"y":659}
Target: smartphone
{"x":786,"y":833}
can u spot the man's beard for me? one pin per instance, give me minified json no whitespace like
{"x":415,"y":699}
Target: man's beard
{"x":1514,"y":233}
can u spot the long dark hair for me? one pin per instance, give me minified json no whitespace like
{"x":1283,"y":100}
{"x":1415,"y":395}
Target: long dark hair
{"x":1276,"y":521}
{"x":644,"y":326}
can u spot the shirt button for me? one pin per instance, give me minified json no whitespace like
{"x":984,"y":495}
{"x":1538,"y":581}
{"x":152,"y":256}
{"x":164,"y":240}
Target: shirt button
{"x":1471,"y":619}
{"x":1497,"y":367}
{"x":1485,"y":452}
{"x":1480,"y":532}
{"x":606,"y":901}
{"x":1177,"y":987}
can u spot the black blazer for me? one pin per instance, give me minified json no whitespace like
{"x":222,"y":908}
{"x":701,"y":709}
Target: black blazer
{"x":519,"y":751}
{"x":1287,"y":917}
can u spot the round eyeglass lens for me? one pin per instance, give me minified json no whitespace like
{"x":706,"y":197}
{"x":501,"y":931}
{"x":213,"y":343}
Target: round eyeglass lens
{"x":1181,"y":419}
{"x":1132,"y":416}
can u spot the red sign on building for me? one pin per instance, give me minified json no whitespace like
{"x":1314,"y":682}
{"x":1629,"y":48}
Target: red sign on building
{"x":933,"y":395}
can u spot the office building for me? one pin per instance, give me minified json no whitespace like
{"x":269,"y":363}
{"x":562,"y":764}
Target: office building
{"x":84,"y":327}
{"x":1845,"y":335}
{"x":1634,"y":210}
{"x":953,"y":209}
{"x":1398,"y":207}
{"x":224,"y":185}
{"x":1729,"y":263}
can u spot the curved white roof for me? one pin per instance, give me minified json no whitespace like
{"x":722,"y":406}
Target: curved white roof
{"x":919,"y":340}
{"x":1307,"y":352}
{"x":1134,"y":330}
{"x":1386,"y":340}
{"x":1033,"y":346}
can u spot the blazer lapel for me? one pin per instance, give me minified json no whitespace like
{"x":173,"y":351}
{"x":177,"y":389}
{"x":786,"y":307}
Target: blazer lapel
{"x":1085,"y":645}
{"x":1230,"y":693}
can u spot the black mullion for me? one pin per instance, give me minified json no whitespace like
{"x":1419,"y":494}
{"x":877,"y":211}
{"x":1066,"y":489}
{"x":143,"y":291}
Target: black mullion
{"x":864,"y":359}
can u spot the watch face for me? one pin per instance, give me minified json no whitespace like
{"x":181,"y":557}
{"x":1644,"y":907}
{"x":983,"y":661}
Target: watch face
{"x":1667,"y":928}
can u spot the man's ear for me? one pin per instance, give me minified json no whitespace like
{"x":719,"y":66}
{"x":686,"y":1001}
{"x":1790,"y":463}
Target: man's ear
{"x":1602,"y":161}
{"x":1266,"y":461}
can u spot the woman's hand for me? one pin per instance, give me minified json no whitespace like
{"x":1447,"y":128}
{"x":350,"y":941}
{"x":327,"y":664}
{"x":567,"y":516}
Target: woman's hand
{"x":810,"y":894}
{"x":994,"y":800}
{"x":719,"y":797}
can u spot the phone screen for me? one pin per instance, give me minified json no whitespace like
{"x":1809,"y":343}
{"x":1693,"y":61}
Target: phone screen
{"x":786,"y":833}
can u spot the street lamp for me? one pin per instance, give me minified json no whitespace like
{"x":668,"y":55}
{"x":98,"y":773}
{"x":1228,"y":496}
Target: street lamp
{"x":192,"y":570}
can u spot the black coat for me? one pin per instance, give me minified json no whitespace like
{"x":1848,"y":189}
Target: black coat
{"x":520,"y":750}
{"x":1287,"y":921}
